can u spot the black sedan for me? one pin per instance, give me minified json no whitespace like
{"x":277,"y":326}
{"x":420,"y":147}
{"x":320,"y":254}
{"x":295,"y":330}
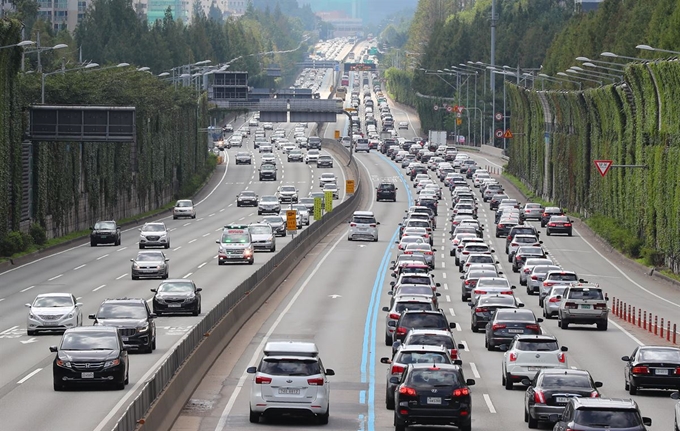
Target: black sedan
{"x":559,"y":224}
{"x":652,"y":367}
{"x":177,"y":296}
{"x":277,"y":223}
{"x":90,"y":355}
{"x":526,"y":252}
{"x":483,"y":310}
{"x":509,"y":322}
{"x":550,"y":389}
{"x":432,"y":395}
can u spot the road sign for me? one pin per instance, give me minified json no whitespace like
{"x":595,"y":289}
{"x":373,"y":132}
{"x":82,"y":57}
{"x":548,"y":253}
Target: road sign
{"x":291,"y":219}
{"x":498,"y":116}
{"x":337,"y":134}
{"x":458,"y":115}
{"x":318,"y":208}
{"x":603,"y":166}
{"x":459,"y":121}
{"x":498,"y":133}
{"x":460,"y":109}
{"x":349,"y":187}
{"x":350,"y":109}
{"x":435,"y":107}
{"x":328,"y":200}
{"x":455,"y":107}
{"x":449,"y":109}
{"x":507,"y":134}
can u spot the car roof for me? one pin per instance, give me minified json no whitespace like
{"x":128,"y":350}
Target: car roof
{"x":297,"y":348}
{"x":564,"y":371}
{"x":598,"y":403}
{"x":536,"y":337}
{"x":438,"y":366}
{"x":429,"y":331}
{"x":364,"y":213}
{"x":53,"y":294}
{"x":96,"y":328}
{"x":124,"y":300}
{"x":408,"y":348}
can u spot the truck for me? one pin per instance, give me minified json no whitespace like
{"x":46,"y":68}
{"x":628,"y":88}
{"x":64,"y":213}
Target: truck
{"x":436,"y":138}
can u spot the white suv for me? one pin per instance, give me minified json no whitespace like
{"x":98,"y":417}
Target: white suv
{"x":290,"y":379}
{"x":527,"y":354}
{"x":363,"y":226}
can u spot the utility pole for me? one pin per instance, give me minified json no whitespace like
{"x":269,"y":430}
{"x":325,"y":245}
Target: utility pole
{"x":493,"y":63}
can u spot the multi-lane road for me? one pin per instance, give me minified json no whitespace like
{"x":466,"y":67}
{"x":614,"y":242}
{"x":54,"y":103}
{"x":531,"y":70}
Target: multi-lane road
{"x":335,"y":299}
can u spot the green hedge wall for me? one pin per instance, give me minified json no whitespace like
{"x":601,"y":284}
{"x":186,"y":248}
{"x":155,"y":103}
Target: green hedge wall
{"x":631,"y":123}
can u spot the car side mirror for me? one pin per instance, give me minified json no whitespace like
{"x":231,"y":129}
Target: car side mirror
{"x":434,"y":249}
{"x":132,"y":260}
{"x":526,"y":382}
{"x":437,"y":284}
{"x":625,"y":358}
{"x":437,"y":294}
{"x":251,"y":370}
{"x":393,"y":275}
{"x":513,"y":287}
{"x":540,"y":242}
{"x":500,"y":272}
{"x":153,"y":290}
{"x":386,"y":309}
{"x":392,"y":283}
{"x":139,"y":229}
{"x":559,"y":297}
{"x":564,"y":349}
{"x":217,"y":241}
{"x":470,"y":382}
{"x":390,"y":293}
{"x":152,"y":315}
{"x":599,"y":385}
{"x":394,"y":380}
{"x":377,"y":222}
{"x":199,"y":289}
{"x":452,"y":325}
{"x":493,"y":251}
{"x":53,"y":349}
{"x":462,"y":277}
{"x":91,"y":316}
{"x":647,"y":421}
{"x":539,"y":320}
{"x":27,"y":305}
{"x":385,"y":360}
{"x":547,"y":253}
{"x":167,"y":259}
{"x":330,"y":372}
{"x":520,"y":305}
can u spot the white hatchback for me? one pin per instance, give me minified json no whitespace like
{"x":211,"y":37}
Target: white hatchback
{"x":290,"y":379}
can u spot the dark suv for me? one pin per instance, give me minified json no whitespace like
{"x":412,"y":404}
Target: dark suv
{"x":268,"y":172}
{"x":90,"y":355}
{"x":585,"y":413}
{"x":105,"y":232}
{"x":134,"y":320}
{"x":386,"y":191}
{"x":432,"y":394}
{"x":420,"y":319}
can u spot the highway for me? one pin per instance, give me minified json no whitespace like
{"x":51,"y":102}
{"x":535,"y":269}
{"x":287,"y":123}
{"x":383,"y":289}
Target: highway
{"x":27,"y":400}
{"x":335,"y":301}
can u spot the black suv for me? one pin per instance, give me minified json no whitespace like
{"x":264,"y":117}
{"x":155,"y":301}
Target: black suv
{"x":90,"y":355}
{"x":420,"y":319}
{"x":386,"y":191}
{"x":597,"y":413}
{"x":105,"y":232}
{"x":268,"y":172}
{"x":134,"y":320}
{"x":432,"y":394}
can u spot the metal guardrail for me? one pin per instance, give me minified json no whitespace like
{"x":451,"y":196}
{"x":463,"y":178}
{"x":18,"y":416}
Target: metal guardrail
{"x":237,"y":301}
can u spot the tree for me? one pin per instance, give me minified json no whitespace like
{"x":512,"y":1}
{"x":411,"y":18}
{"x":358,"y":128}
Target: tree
{"x":26,"y":12}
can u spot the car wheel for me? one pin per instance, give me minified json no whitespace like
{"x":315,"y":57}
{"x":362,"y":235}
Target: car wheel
{"x":489,"y":346}
{"x":463,"y":298}
{"x":399,"y":426}
{"x":174,"y":217}
{"x":532,"y":422}
{"x":632,"y":389}
{"x":167,"y":245}
{"x":273,"y":249}
{"x":251,"y":261}
{"x":141,"y":246}
{"x":254,"y":417}
{"x":93,"y":244}
{"x":153,"y":344}
{"x":58,"y":386}
{"x":238,"y":204}
{"x":602,"y":326}
{"x":118,"y":242}
{"x":547,"y":232}
{"x":570,"y":234}
{"x":127,"y":378}
{"x":135,"y":277}
{"x":626,"y":386}
{"x":540,"y":302}
{"x":563,"y":324}
{"x":509,"y":258}
{"x":259,"y":213}
{"x":465,"y":426}
{"x":515,"y":269}
{"x":530,"y":291}
{"x":508,"y":383}
{"x":30,"y":333}
{"x":474,"y":328}
{"x":522,"y":283}
{"x":323,"y":418}
{"x":119,"y":386}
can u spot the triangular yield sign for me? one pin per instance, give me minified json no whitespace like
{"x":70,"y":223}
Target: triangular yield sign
{"x":603,"y":166}
{"x":507,"y":134}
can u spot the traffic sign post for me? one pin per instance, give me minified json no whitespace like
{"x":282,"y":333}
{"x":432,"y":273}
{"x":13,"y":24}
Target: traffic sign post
{"x":507,"y":134}
{"x":459,"y":121}
{"x":498,"y":133}
{"x":318,"y":208}
{"x":498,"y":116}
{"x":603,"y":166}
{"x":459,"y":109}
{"x":349,"y":187}
{"x":291,"y":220}
{"x":449,"y":109}
{"x":435,"y":107}
{"x":328,"y":201}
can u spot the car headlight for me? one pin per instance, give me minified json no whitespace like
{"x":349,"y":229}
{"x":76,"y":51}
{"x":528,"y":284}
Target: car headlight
{"x":113,"y":363}
{"x":271,"y":238}
{"x":143,"y":328}
{"x":63,"y":364}
{"x":135,"y":265}
{"x":190,"y":298}
{"x":31,"y":315}
{"x":70,"y":315}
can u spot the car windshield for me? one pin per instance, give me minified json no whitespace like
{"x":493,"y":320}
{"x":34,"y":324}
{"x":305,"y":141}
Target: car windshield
{"x":363,"y":220}
{"x":231,"y":238}
{"x":105,"y":225}
{"x":269,"y":199}
{"x":422,"y":358}
{"x":153,"y":228}
{"x":429,"y":378}
{"x":149,"y":257}
{"x":607,"y":418}
{"x":121,"y":311}
{"x":273,"y":219}
{"x":497,"y":300}
{"x":383,"y":186}
{"x":290,"y":367}
{"x":90,"y":340}
{"x":525,"y":239}
{"x":476,"y":248}
{"x":485,"y":258}
{"x":184,"y":204}
{"x":515,"y":316}
{"x":249,"y":194}
{"x":559,"y":219}
{"x":536,"y":345}
{"x":260,"y":230}
{"x":176,"y":286}
{"x":328,"y":176}
{"x":287,"y":189}
{"x":423,"y":320}
{"x":330,"y":186}
{"x":660,"y":355}
{"x":431,"y":340}
{"x":418,"y":246}
{"x":585,"y":294}
{"x":480,"y":274}
{"x":543,"y":269}
{"x":566,"y":380}
{"x":53,"y":301}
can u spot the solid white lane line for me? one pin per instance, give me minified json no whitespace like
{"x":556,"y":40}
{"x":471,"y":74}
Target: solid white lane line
{"x":121,"y":276}
{"x":631,"y":336}
{"x":28,"y":288}
{"x":78,"y":267}
{"x":55,"y":277}
{"x":28,"y":376}
{"x":489,"y":404}
{"x":97,"y":288}
{"x":9,"y":330}
{"x":188,"y":275}
{"x":475,"y":372}
{"x":202,"y":265}
{"x":102,"y":257}
{"x":241,"y":381}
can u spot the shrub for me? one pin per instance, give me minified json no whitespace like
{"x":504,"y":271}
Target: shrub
{"x":38,"y":234}
{"x":12,"y":243}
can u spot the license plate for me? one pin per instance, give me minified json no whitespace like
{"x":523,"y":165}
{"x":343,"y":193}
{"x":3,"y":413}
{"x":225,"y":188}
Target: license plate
{"x":233,"y":256}
{"x":516,"y":331}
{"x":125,"y":339}
{"x":533,"y":368}
{"x":585,"y":306}
{"x":50,"y":324}
{"x":562,"y":400}
{"x":289,"y":391}
{"x":88,"y":375}
{"x":174,"y":305}
{"x":661,"y":372}
{"x":434,"y":400}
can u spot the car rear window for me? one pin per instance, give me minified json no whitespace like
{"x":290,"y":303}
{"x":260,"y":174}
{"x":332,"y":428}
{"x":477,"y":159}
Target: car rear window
{"x":661,"y":355}
{"x":415,"y":290}
{"x":422,"y":358}
{"x":386,"y":186}
{"x":433,"y":378}
{"x":363,"y":220}
{"x":585,"y":294}
{"x":563,"y":277}
{"x":289,"y":367}
{"x":424,"y":320}
{"x":416,"y":280}
{"x":610,"y":418}
{"x":431,"y":340}
{"x":537,"y":345}
{"x":412,"y":306}
{"x":566,"y":380}
{"x":476,"y":248}
{"x":515,"y":316}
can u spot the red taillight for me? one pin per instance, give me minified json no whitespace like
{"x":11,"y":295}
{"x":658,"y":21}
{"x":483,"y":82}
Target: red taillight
{"x":539,"y":398}
{"x":394,"y":316}
{"x":567,"y":225}
{"x":498,"y":326}
{"x":479,"y":292}
{"x":372,"y":225}
{"x":518,"y":258}
{"x":552,"y":224}
{"x":397,"y":369}
{"x":514,"y":244}
{"x":512,"y":356}
{"x":263,"y":380}
{"x":463,"y":392}
{"x":408,"y":252}
{"x":677,"y":371}
{"x":506,"y":292}
{"x":545,"y":214}
{"x":405,"y":390}
{"x":353,"y":224}
{"x":532,"y":327}
{"x":466,"y":252}
{"x":553,"y":299}
{"x":481,"y":310}
{"x":548,"y":283}
{"x":562,"y":357}
{"x":315,"y":382}
{"x":640,"y":370}
{"x":527,"y":270}
{"x":509,"y":238}
{"x":429,"y":253}
{"x":467,"y":282}
{"x":534,"y":277}
{"x":454,"y":354}
{"x":500,"y":226}
{"x":571,"y":305}
{"x":594,"y":394}
{"x":602,"y":306}
{"x":401,"y":330}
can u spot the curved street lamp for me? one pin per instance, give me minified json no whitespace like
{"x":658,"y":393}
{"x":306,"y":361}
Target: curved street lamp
{"x":20,"y":44}
{"x":649,"y":48}
{"x":44,"y":75}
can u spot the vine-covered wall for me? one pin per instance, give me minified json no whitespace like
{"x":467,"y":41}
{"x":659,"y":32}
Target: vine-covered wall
{"x":633,"y":123}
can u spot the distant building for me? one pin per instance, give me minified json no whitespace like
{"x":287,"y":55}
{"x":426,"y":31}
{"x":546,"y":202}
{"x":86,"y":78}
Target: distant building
{"x":63,"y":14}
{"x":589,"y":5}
{"x":343,"y":25}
